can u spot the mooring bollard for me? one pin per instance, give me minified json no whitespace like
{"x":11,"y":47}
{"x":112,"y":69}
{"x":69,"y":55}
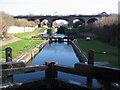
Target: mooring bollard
{"x":9,"y":59}
{"x":91,"y":62}
{"x":50,"y":72}
{"x":91,"y":57}
{"x":8,"y":54}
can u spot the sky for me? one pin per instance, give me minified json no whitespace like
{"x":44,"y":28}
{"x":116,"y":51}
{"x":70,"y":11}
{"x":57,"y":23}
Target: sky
{"x":58,"y":7}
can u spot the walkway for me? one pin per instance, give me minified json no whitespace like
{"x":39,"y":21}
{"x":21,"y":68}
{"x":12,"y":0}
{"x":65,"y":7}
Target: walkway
{"x":7,"y":41}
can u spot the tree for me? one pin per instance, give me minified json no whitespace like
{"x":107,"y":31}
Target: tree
{"x":77,"y":24}
{"x":5,"y":22}
{"x":106,"y":30}
{"x":61,"y":29}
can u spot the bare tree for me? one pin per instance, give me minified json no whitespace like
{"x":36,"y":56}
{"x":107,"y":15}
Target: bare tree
{"x":5,"y":22}
{"x":107,"y":30}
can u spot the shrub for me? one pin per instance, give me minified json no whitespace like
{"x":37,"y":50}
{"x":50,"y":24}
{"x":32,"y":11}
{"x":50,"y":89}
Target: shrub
{"x":24,"y":23}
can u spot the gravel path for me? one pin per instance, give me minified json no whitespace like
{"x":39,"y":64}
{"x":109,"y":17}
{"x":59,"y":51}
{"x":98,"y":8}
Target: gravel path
{"x":7,"y":41}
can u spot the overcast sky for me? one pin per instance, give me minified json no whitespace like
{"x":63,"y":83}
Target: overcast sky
{"x":58,"y":7}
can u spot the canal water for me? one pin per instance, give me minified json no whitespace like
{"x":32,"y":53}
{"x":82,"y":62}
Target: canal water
{"x":64,"y":54}
{"x":60,"y":52}
{"x":54,"y":35}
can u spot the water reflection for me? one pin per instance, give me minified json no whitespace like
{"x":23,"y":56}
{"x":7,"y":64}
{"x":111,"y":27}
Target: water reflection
{"x":61,"y":52}
{"x":54,"y":35}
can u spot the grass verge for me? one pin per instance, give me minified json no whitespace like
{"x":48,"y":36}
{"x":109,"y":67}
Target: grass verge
{"x":26,"y":35}
{"x":23,"y":45}
{"x":111,"y":55}
{"x":20,"y":47}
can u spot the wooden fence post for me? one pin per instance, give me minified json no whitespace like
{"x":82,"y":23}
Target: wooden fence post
{"x":50,"y":72}
{"x":8,"y":54}
{"x":91,"y":62}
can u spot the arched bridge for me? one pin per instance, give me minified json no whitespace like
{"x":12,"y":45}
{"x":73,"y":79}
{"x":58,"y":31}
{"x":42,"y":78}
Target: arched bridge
{"x":85,"y":19}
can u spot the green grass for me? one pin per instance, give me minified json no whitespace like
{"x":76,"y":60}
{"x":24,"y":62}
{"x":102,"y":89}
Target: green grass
{"x":26,"y":35}
{"x":23,"y":45}
{"x":98,"y":47}
{"x":44,"y":28}
{"x":20,"y":47}
{"x":2,"y":61}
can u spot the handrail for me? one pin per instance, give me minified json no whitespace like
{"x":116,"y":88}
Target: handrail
{"x":20,"y":70}
{"x":93,"y":71}
{"x":12,"y":65}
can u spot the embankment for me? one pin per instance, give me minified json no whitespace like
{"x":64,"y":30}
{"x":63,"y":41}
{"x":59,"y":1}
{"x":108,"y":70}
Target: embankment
{"x":31,"y":54}
{"x":78,"y":52}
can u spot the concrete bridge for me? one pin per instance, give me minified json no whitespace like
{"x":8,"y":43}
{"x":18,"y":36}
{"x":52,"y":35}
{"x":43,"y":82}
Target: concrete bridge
{"x":85,"y":19}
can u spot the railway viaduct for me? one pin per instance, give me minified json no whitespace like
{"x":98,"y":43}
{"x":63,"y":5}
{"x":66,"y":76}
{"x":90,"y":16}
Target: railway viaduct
{"x":85,"y":19}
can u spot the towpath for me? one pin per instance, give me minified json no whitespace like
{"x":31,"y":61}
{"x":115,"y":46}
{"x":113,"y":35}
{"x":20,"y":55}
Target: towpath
{"x":7,"y":41}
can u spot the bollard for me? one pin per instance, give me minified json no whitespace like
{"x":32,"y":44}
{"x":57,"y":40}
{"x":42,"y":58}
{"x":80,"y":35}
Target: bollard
{"x":9,"y":59}
{"x":91,"y":62}
{"x":8,"y":54}
{"x":50,"y":72}
{"x":91,"y":57}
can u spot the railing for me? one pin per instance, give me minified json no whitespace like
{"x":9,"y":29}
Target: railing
{"x":51,"y":69}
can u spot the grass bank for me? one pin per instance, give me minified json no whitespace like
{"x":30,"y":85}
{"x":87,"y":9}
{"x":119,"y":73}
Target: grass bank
{"x":100,"y":48}
{"x":20,"y":47}
{"x":23,"y":45}
{"x":26,"y":35}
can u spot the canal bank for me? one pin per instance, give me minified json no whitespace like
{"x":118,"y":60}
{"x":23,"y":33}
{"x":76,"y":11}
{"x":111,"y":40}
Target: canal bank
{"x":79,"y":53}
{"x":28,"y":56}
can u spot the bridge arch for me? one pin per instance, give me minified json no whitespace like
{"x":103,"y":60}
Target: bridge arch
{"x":43,"y":22}
{"x":41,"y":19}
{"x":92,"y":20}
{"x":80,"y":19}
{"x":31,"y":19}
{"x":56,"y":19}
{"x":60,"y":19}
